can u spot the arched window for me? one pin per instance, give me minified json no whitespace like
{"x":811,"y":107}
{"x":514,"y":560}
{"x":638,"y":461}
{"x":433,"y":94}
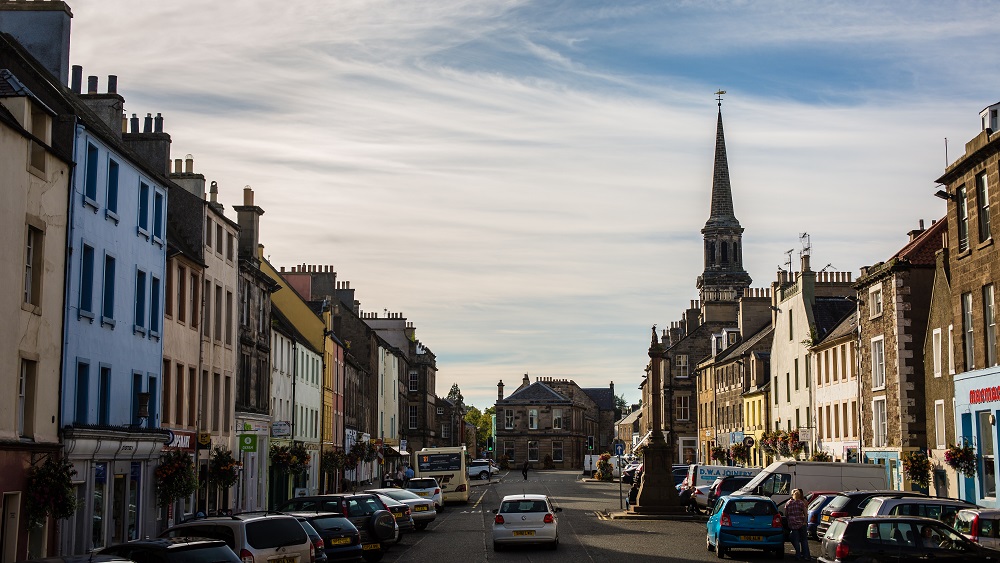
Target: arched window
{"x":725,"y":252}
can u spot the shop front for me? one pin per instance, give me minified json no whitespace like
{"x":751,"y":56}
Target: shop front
{"x":254,"y":443}
{"x":977,"y":406}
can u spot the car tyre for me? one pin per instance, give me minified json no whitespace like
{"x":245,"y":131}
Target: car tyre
{"x":708,"y":544}
{"x":720,"y":551}
{"x":483,"y":475}
{"x":779,"y":553}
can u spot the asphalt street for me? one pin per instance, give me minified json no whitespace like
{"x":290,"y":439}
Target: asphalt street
{"x":461,"y":533}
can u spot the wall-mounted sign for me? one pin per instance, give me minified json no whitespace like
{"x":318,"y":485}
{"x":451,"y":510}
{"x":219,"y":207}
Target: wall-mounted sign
{"x":248,"y":442}
{"x":281,"y":429}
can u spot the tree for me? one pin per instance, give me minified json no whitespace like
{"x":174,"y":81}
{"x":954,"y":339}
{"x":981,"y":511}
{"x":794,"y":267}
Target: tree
{"x":455,"y":396}
{"x":483,"y":420}
{"x":621,"y":404}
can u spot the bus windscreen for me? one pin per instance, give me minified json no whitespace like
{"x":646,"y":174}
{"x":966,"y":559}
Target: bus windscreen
{"x":439,"y":462}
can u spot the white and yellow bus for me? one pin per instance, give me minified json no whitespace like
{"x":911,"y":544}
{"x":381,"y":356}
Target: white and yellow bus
{"x":447,"y":465}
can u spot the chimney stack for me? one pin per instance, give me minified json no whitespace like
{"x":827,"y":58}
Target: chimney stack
{"x":500,"y":391}
{"x":248,"y":217}
{"x":112,"y":84}
{"x":43,"y":29}
{"x":77,"y":84}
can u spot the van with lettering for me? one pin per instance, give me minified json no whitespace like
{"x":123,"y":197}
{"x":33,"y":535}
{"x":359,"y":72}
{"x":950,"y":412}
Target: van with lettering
{"x":705,"y":475}
{"x":781,"y":477}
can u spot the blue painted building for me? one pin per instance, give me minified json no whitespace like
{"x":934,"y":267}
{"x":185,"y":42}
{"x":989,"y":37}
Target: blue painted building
{"x":977,"y":406}
{"x":113,"y":353}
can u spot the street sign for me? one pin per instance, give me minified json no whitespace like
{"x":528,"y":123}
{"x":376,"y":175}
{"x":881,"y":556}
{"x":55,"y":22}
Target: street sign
{"x":619,"y":449}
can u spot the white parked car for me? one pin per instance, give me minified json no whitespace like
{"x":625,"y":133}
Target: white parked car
{"x":483,"y":468}
{"x":525,"y":519}
{"x":421,"y":509}
{"x":428,"y":488}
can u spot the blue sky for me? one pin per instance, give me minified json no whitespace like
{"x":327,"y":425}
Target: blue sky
{"x":526,"y":181}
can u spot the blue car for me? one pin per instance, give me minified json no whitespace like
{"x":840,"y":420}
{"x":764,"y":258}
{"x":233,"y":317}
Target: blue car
{"x":745,"y":522}
{"x":815,"y":512}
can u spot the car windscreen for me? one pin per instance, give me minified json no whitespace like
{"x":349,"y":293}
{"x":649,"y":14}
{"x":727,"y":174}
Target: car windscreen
{"x":817,"y":502}
{"x":213,"y":554}
{"x":332,"y":524}
{"x":400,"y":494}
{"x":838,"y":502}
{"x":523,"y":506}
{"x":275,"y":532}
{"x":750,"y":507}
{"x":423,"y":484}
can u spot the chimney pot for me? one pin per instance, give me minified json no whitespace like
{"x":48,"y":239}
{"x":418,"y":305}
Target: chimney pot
{"x":247,"y":195}
{"x":112,"y":84}
{"x":178,"y":168}
{"x":189,"y":164}
{"x":158,"y":123}
{"x":147,"y":124}
{"x":77,"y":82}
{"x":91,"y":84}
{"x":213,"y":191}
{"x":134,"y":123}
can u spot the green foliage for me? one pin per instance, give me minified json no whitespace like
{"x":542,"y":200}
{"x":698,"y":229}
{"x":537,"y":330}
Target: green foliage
{"x":917,"y":468}
{"x":621,"y":404}
{"x":605,"y":472}
{"x":223,"y":469}
{"x":455,"y":396}
{"x":483,"y":422}
{"x":49,"y":491}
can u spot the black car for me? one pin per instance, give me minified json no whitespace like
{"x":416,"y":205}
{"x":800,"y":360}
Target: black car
{"x":365,"y":510}
{"x":319,"y":555}
{"x":174,"y":550}
{"x":725,"y":486}
{"x":851,"y":503}
{"x":898,"y":539}
{"x":341,"y":540}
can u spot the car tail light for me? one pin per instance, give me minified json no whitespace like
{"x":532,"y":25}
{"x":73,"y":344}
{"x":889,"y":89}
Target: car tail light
{"x":437,"y":491}
{"x":813,"y":518}
{"x":246,"y":556}
{"x":838,"y":514}
{"x":842,"y":551}
{"x":776,"y":521}
{"x":320,"y":545}
{"x":312,"y":552}
{"x":498,"y":519}
{"x":974,"y":531}
{"x":697,"y":492}
{"x":725,"y":520}
{"x":548,"y":519}
{"x":461,"y":488}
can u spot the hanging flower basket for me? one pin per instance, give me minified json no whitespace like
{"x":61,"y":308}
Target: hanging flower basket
{"x":333,"y":461}
{"x":740,"y":453}
{"x":50,"y":491}
{"x":917,"y":468}
{"x":289,"y":459}
{"x":795,"y":447}
{"x":175,"y":477}
{"x":962,"y":458}
{"x":223,"y":469}
{"x":720,"y":454}
{"x":769,"y":442}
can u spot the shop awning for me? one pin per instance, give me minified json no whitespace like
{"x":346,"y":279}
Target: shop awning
{"x":390,"y":451}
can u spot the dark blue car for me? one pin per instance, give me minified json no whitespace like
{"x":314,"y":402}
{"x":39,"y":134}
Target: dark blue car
{"x":341,"y":540}
{"x":745,"y":522}
{"x":815,"y":511}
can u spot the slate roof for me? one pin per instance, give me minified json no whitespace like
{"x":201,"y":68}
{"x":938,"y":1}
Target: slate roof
{"x":631,"y":417}
{"x":828,"y":312}
{"x":603,"y":396}
{"x":847,"y":326}
{"x":285,"y":324}
{"x":537,"y":392}
{"x":743,"y":347}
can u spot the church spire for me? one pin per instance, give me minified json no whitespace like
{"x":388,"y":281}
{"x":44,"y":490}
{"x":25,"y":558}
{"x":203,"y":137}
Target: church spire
{"x":724,"y":278}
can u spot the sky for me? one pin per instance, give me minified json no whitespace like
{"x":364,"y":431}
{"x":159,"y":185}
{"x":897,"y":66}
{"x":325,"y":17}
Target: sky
{"x":526,"y":181}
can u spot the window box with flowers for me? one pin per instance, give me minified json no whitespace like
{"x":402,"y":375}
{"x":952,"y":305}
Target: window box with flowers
{"x":49,"y":491}
{"x":175,"y":477}
{"x":962,"y":459}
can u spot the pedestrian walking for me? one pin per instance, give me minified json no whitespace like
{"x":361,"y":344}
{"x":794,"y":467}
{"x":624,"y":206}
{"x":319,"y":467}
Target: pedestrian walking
{"x":798,"y":514}
{"x":524,"y":469}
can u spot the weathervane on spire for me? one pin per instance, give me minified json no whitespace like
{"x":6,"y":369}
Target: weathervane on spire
{"x":720,"y":93}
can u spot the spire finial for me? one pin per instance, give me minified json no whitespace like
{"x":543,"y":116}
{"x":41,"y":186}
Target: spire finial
{"x":719,"y":95}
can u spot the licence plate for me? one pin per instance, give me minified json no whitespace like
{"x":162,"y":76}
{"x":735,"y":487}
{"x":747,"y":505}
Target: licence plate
{"x":420,"y":508}
{"x":339,"y":541}
{"x":524,"y":532}
{"x":282,"y":560}
{"x":371,"y":546}
{"x":751,"y":538}
{"x":422,"y":494}
{"x":826,"y":517}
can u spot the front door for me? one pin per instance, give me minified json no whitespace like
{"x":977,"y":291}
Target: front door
{"x":9,"y":526}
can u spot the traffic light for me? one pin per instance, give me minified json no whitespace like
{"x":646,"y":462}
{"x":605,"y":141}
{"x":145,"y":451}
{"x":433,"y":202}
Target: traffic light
{"x":489,"y":443}
{"x":590,"y":442}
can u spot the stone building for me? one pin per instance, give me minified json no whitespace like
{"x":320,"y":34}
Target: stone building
{"x":550,"y":422}
{"x":806,"y":306}
{"x":893,"y":305}
{"x":974,"y":264}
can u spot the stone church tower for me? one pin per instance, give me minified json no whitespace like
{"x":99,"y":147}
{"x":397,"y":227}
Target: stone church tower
{"x":724,"y":278}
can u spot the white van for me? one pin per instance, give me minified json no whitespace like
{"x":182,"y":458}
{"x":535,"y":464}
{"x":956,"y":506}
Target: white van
{"x":705,"y":475}
{"x":778,"y":479}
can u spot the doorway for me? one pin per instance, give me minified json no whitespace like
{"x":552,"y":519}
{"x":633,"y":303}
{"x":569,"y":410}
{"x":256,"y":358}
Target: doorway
{"x":9,"y":525}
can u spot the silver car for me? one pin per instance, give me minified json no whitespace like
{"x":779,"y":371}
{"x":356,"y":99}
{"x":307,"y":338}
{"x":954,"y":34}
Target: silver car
{"x":421,"y":509}
{"x":525,"y":519}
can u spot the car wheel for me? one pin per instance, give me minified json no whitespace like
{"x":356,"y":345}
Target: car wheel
{"x":382,"y":525}
{"x":779,"y":553}
{"x":555,"y":545}
{"x":483,"y":475}
{"x":421,"y":526}
{"x":720,"y":551}
{"x":708,"y":544}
